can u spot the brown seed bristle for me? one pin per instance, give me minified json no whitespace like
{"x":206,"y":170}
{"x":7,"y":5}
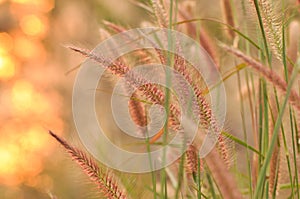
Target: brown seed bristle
{"x":106,"y":185}
{"x":191,"y":159}
{"x":272,"y":24}
{"x":275,"y":159}
{"x":222,"y":176}
{"x":269,"y":74}
{"x":160,"y":13}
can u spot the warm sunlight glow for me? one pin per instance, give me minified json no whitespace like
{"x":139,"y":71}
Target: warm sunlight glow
{"x":7,"y":67}
{"x":8,"y":159}
{"x":23,"y":145}
{"x":42,"y":5}
{"x":29,"y":49}
{"x":42,"y":181}
{"x":33,"y":25}
{"x":22,"y":96}
{"x":29,"y":101}
{"x":17,"y":164}
{"x":34,"y":139}
{"x":21,"y":1}
{"x":6,"y":42}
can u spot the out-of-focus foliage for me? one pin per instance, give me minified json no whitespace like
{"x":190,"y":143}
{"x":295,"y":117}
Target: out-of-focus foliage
{"x":35,"y":93}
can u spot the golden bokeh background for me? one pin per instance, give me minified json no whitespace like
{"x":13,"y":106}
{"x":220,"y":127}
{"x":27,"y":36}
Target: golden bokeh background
{"x":35,"y":92}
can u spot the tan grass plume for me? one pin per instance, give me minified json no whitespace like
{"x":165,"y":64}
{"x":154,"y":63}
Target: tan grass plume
{"x":269,"y":74}
{"x":105,"y":183}
{"x":272,"y":25}
{"x":275,"y":159}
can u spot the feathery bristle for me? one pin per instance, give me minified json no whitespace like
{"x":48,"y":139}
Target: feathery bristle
{"x":222,"y":176}
{"x":107,"y":186}
{"x":148,"y":90}
{"x":192,"y":160}
{"x":275,"y":159}
{"x":114,"y":27}
{"x":272,"y":25}
{"x":156,"y":96}
{"x":137,"y":112}
{"x":269,"y":74}
{"x":207,"y":119}
{"x":116,"y":67}
{"x":160,"y":14}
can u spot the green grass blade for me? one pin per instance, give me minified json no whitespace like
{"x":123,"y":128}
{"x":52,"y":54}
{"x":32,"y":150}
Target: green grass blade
{"x":222,"y":23}
{"x":262,"y":173}
{"x":242,"y":143}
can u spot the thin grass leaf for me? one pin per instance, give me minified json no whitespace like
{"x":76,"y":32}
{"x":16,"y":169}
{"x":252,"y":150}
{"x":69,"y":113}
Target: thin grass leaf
{"x":262,"y":173}
{"x":269,"y":74}
{"x":242,"y":143}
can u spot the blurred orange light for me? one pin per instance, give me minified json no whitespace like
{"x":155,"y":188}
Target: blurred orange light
{"x":7,"y":67}
{"x":45,"y":5}
{"x":35,"y":139}
{"x":21,"y":1}
{"x":33,"y":25}
{"x":6,"y":42}
{"x":42,"y":5}
{"x":8,"y":156}
{"x":31,"y":165}
{"x":22,"y":151}
{"x":22,"y":96}
{"x":29,"y":49}
{"x":42,"y":181}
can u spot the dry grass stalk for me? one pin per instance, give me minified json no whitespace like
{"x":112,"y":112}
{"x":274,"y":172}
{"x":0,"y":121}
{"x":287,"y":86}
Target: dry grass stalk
{"x":272,"y":25}
{"x":191,"y":159}
{"x":269,"y":74}
{"x":106,"y":184}
{"x":255,"y":158}
{"x":120,"y":29}
{"x":275,"y":159}
{"x":114,"y":27}
{"x":214,"y":160}
{"x":294,"y":37}
{"x":220,"y":172}
{"x":116,"y":67}
{"x":207,"y":119}
{"x":148,"y":90}
{"x":160,"y":14}
{"x":156,"y":96}
{"x":205,"y":40}
{"x":228,"y":16}
{"x":137,"y":110}
{"x":222,"y":176}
